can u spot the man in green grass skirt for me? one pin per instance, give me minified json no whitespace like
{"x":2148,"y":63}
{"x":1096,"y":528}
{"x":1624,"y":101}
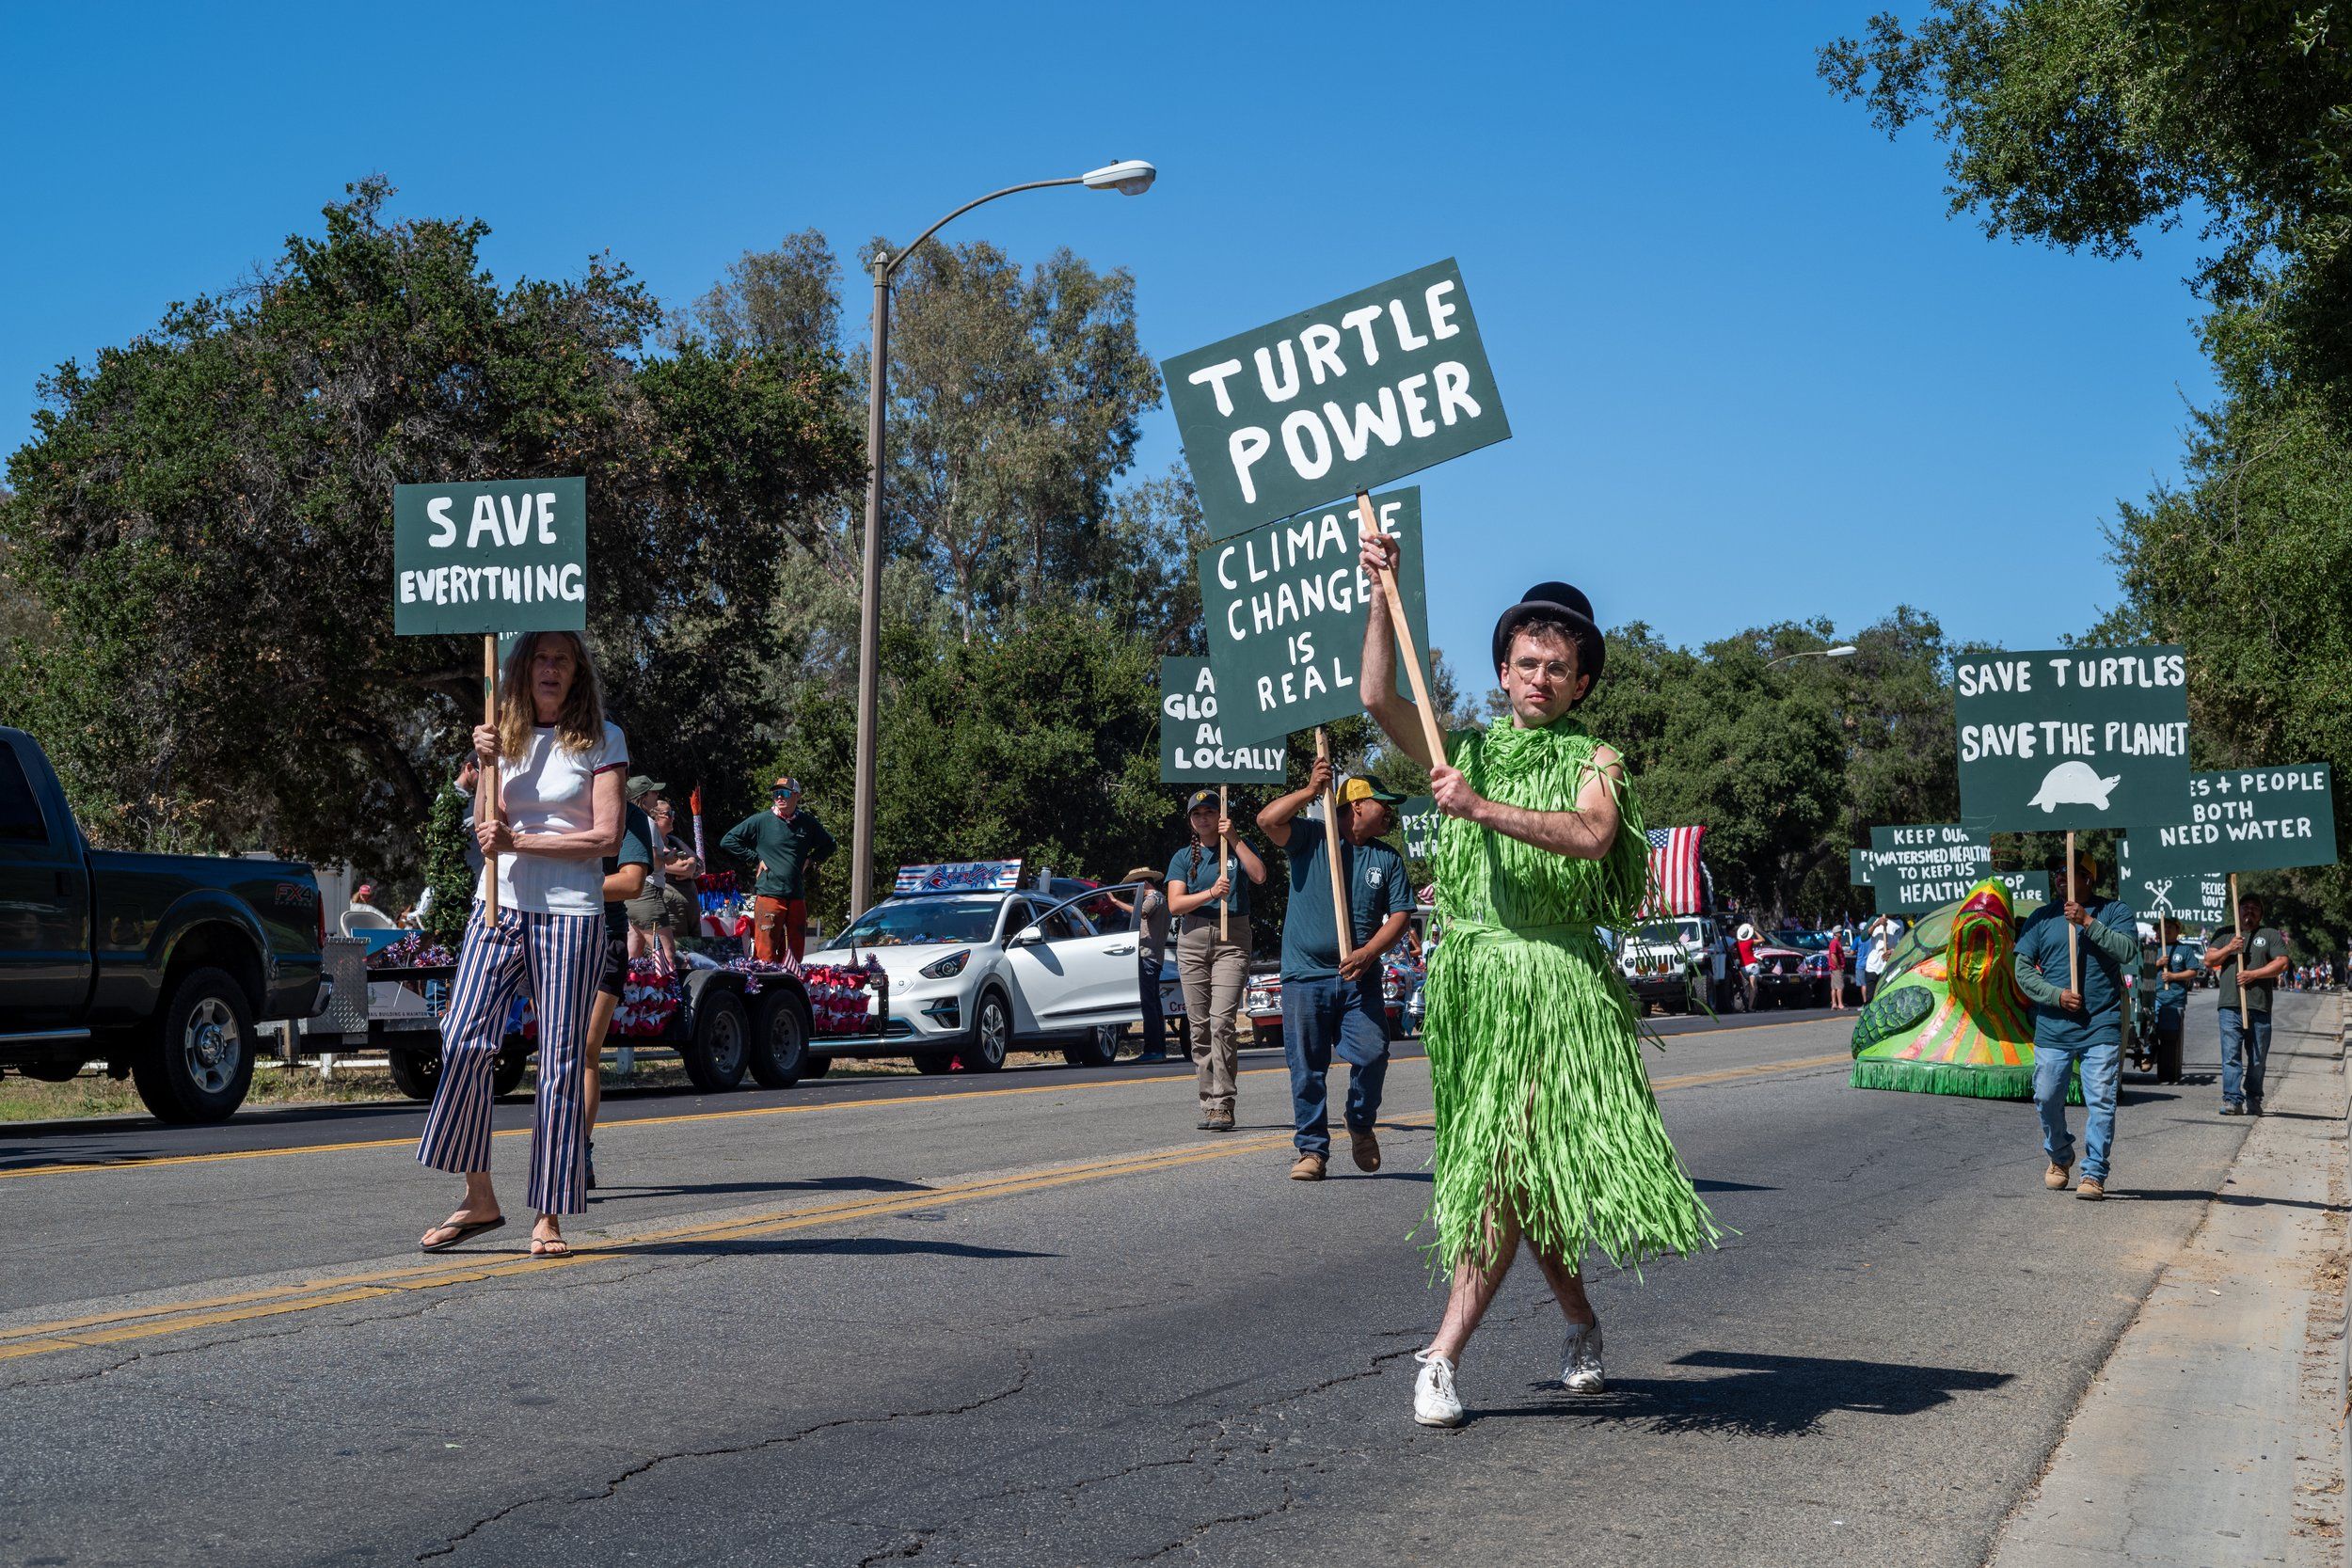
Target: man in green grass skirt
{"x":1546,"y":1126}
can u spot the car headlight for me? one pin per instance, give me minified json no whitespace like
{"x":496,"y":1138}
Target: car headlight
{"x":949,"y":967}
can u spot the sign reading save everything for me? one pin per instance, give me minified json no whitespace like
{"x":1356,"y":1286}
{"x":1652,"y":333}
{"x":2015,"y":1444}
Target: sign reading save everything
{"x":1349,"y":395}
{"x":1286,"y":608}
{"x":2244,"y":820}
{"x":2073,"y":737}
{"x":508,"y":555}
{"x":1192,"y":741}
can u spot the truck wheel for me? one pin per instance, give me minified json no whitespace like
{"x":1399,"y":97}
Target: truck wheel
{"x":199,"y":1063}
{"x":984,"y":1048}
{"x":714,"y":1058}
{"x":508,"y":1075}
{"x":415,"y":1073}
{"x":779,"y":1046}
{"x":2169,"y":1057}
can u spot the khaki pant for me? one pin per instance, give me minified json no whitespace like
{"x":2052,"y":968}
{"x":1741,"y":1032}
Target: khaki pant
{"x":1213,"y":973}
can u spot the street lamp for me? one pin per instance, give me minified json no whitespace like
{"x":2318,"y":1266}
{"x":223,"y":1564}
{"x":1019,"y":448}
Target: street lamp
{"x":1846,"y":650}
{"x":1128,"y":177}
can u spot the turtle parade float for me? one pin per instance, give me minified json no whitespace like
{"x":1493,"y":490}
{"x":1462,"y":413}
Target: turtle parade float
{"x":1948,"y":1016}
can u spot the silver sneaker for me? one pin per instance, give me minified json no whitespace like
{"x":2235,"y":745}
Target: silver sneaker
{"x":1435,"y":1403}
{"x":1580,"y":1369}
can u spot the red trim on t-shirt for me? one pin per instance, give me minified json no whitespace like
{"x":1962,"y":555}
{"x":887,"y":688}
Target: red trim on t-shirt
{"x":609,"y":766}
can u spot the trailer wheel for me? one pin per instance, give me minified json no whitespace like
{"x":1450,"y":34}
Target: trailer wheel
{"x":815,"y":1066}
{"x":200,"y":1062}
{"x":415,"y":1073}
{"x":714,"y":1057}
{"x":779,"y":1045}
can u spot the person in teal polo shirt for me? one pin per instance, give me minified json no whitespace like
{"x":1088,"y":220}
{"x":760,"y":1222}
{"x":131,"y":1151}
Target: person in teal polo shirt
{"x":1329,"y":1003}
{"x":783,"y":840}
{"x":2077,"y":1031}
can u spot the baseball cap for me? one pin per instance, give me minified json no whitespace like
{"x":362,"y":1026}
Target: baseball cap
{"x":786,"y":785}
{"x":639,"y":785}
{"x":365,"y":891}
{"x":1361,"y":788}
{"x":1200,"y":798}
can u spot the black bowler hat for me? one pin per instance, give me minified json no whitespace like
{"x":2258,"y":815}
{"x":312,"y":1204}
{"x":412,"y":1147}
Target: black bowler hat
{"x":1555,"y":601}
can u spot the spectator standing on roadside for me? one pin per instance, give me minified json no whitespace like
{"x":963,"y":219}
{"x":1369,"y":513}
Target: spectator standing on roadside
{"x":625,"y":873}
{"x":1149,"y":912}
{"x":1212,"y":969}
{"x":1835,"y":960}
{"x":2077,"y":1033}
{"x":2246,"y":1032}
{"x":1332,"y":1005}
{"x":1745,"y":948}
{"x":783,"y":842}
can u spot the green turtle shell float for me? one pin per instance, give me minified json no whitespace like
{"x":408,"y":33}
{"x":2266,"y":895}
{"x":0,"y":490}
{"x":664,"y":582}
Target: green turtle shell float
{"x":1948,"y":1017}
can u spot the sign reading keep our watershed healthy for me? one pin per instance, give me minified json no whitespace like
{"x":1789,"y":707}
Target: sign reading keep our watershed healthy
{"x":2073,"y":737}
{"x":1286,"y":606}
{"x":1926,"y":867}
{"x":2200,"y":899}
{"x":1193,"y":749}
{"x":1347,"y":396}
{"x":2245,"y":819}
{"x":506,"y":555}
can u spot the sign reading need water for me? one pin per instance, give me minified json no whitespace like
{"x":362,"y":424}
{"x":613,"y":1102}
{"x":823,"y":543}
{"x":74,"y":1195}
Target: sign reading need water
{"x":1286,"y":606}
{"x":1349,"y":395}
{"x":2245,"y":819}
{"x":507,"y":555}
{"x":2073,"y":738}
{"x":1193,"y":749}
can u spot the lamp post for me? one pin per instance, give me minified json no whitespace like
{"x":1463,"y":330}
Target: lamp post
{"x":1846,"y":650}
{"x":1128,"y":177}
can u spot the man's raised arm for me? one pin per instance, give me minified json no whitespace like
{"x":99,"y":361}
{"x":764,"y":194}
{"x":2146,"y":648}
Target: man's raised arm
{"x":1397,"y":717}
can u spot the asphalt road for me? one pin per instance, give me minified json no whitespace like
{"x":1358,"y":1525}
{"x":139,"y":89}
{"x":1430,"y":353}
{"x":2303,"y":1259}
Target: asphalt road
{"x":1039,"y":1320}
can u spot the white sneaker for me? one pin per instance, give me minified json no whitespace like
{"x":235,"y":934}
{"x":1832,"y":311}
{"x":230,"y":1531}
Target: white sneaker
{"x":1434,"y":1400}
{"x":1580,"y":1370}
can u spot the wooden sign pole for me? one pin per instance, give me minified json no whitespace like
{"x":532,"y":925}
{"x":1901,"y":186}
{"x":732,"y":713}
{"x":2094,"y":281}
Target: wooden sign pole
{"x":2239,"y":922}
{"x":485,"y":792}
{"x":2073,"y":932}
{"x":1331,"y":845}
{"x":1224,"y":849}
{"x":1368,"y":524}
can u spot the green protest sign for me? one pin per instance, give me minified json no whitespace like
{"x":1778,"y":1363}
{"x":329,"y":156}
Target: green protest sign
{"x":2071,"y":738}
{"x":1193,"y":749}
{"x":1858,"y":868}
{"x":2245,"y":819}
{"x":1286,"y":606}
{"x":2027,"y":889}
{"x":506,"y":555}
{"x":1926,"y":866}
{"x":1418,"y":816}
{"x":2198,"y":898}
{"x":1345,"y":397}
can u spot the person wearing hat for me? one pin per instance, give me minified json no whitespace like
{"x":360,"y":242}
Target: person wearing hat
{"x":783,"y":842}
{"x":2077,"y":1032}
{"x":1149,"y":909}
{"x":1213,"y":968}
{"x":1333,"y":1004}
{"x":1546,"y":1129}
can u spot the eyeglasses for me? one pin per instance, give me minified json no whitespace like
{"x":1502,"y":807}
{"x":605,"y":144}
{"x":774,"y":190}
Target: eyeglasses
{"x":1527,"y":668}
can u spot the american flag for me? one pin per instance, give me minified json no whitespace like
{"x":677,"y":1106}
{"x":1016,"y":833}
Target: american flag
{"x":1677,"y":876}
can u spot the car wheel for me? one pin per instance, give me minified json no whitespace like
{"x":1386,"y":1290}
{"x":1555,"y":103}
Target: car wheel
{"x":199,"y":1063}
{"x":1099,"y":1048}
{"x":779,"y":1039}
{"x":984,"y":1048}
{"x":508,"y":1076}
{"x":415,"y":1073}
{"x":715,"y":1056}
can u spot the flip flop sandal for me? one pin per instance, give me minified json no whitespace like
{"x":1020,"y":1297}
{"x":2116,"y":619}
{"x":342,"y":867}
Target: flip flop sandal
{"x":472,"y":1227}
{"x":551,"y":1246}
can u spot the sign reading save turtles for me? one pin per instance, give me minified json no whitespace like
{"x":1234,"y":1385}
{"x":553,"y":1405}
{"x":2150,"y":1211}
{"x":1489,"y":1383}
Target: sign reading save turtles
{"x":1193,"y":748}
{"x":2245,"y":819}
{"x":1356,"y":393}
{"x":505,"y":555}
{"x":2071,"y":738}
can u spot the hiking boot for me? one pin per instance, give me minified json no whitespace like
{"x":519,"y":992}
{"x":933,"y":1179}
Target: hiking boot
{"x":2233,"y":1109}
{"x":1435,"y":1403}
{"x":1579,"y":1361}
{"x":1365,"y":1147}
{"x":2055,"y":1178}
{"x":1218,"y":1121}
{"x":2092,"y":1188}
{"x":1309,"y":1168}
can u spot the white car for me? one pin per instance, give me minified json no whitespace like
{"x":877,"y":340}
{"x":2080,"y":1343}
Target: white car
{"x":974,"y":974}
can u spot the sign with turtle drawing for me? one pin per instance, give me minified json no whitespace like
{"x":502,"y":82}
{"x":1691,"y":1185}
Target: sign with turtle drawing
{"x":2073,"y":738}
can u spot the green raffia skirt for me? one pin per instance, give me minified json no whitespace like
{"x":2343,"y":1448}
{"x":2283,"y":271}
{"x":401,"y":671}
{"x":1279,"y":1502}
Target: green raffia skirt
{"x":1541,"y":1098}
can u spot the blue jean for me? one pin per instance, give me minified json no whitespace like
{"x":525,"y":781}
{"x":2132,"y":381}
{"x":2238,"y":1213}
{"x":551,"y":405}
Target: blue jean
{"x":2242,"y":1079}
{"x":2101,"y":1063}
{"x":1318,"y":1017}
{"x":1155,"y":1023}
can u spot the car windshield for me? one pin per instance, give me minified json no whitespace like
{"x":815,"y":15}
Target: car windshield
{"x":1810,"y":942}
{"x":920,"y":922}
{"x":1659,"y":931}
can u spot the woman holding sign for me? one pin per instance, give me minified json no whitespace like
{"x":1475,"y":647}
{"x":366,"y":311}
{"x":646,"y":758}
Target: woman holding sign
{"x":1546,"y":1126}
{"x":1213,"y":955}
{"x":559,"y":766}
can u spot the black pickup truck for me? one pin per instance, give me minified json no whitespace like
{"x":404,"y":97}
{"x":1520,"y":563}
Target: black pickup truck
{"x":156,"y":965}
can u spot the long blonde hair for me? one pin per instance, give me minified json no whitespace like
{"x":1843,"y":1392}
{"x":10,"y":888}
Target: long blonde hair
{"x":578,"y":729}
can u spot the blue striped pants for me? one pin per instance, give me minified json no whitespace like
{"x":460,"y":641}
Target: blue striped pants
{"x":558,"y":956}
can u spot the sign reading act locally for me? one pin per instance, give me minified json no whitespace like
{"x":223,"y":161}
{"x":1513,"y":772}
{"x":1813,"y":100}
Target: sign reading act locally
{"x":2073,"y":738}
{"x":1286,"y":606}
{"x":2245,"y":819}
{"x":1193,"y":748}
{"x":1347,"y":396}
{"x":507,"y":555}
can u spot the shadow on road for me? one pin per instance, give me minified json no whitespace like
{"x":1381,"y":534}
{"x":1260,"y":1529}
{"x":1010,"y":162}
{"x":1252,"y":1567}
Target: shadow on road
{"x":830,"y":1246}
{"x":609,"y":1193}
{"x":1768,"y":1395}
{"x":2235,"y":1201}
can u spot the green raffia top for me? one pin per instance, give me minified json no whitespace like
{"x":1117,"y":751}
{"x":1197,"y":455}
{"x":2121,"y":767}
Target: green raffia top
{"x":1532,"y":1038}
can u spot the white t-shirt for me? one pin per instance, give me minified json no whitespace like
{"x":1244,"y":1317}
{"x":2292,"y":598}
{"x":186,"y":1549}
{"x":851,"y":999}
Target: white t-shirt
{"x":555,"y":792}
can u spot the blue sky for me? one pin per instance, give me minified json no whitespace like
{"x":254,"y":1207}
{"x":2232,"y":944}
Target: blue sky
{"x":1754,"y":371}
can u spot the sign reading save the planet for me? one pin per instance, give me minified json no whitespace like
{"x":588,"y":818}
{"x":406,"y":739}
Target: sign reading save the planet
{"x":2244,"y":820}
{"x":1193,"y":749}
{"x":1347,"y":396}
{"x":506,"y":555}
{"x":1286,"y":606}
{"x":2198,"y":898}
{"x":2073,"y":738}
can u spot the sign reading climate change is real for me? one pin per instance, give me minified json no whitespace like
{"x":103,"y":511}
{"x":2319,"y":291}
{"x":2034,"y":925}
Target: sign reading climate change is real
{"x":2192,"y":898}
{"x":1286,"y":606}
{"x":1193,"y":749}
{"x":1349,"y":395}
{"x":2073,"y":738}
{"x":2244,"y":820}
{"x":507,"y":555}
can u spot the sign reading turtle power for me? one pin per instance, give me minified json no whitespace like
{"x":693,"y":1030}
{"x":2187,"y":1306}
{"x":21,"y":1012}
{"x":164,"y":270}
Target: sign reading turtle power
{"x":1346,"y":396}
{"x":2245,"y":819}
{"x":1926,"y":867}
{"x":1286,"y":606}
{"x":2073,"y":737}
{"x":508,"y":555}
{"x":2191,"y":897}
{"x":1192,"y":741}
